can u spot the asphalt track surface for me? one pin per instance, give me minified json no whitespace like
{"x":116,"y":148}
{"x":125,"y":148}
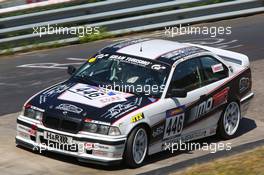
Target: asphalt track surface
{"x":22,"y":75}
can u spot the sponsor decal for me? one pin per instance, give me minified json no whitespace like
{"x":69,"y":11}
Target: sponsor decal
{"x":24,"y":129}
{"x":89,"y":92}
{"x":92,"y":96}
{"x":128,"y":43}
{"x":221,"y":97}
{"x":137,"y":117}
{"x":52,"y":92}
{"x":111,"y":99}
{"x":180,"y":53}
{"x":62,"y":139}
{"x":174,"y":122}
{"x":130,"y":60}
{"x":187,"y":137}
{"x":22,"y":134}
{"x":33,"y":130}
{"x":69,"y":108}
{"x":243,"y":84}
{"x":87,"y":120}
{"x":91,"y":60}
{"x":194,"y":135}
{"x":102,"y":147}
{"x":117,"y":155}
{"x":100,"y":153}
{"x":26,"y":132}
{"x":201,"y":109}
{"x":101,"y":56}
{"x":157,"y":67}
{"x":208,"y":105}
{"x":217,"y":68}
{"x":175,"y":111}
{"x":120,"y":109}
{"x":27,"y":106}
{"x":158,"y":131}
{"x":91,"y":146}
{"x":116,"y":110}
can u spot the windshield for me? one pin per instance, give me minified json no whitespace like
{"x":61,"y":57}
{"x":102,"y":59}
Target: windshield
{"x":125,"y":73}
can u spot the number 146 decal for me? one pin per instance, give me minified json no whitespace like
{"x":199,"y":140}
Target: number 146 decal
{"x":174,"y":124}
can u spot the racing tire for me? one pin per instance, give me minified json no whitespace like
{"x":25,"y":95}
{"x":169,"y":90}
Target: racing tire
{"x":136,"y":147}
{"x":229,"y":122}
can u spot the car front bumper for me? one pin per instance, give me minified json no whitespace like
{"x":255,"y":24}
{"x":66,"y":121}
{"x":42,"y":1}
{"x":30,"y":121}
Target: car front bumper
{"x":86,"y":147}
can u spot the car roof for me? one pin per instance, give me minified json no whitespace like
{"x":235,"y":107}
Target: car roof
{"x":154,"y":49}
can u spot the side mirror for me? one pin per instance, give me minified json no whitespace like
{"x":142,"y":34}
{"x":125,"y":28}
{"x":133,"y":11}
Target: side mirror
{"x":71,"y":69}
{"x":177,"y":93}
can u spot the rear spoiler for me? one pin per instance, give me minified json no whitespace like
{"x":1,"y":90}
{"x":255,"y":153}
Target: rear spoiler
{"x":226,"y":55}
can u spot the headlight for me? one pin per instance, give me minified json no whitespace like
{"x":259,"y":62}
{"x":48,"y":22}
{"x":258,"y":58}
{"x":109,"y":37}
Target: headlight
{"x":114,"y":131}
{"x":101,"y":129}
{"x":90,"y":127}
{"x":32,"y":112}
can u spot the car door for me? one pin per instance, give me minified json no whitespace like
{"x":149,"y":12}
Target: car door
{"x":188,"y":75}
{"x":199,"y":76}
{"x":209,"y":96}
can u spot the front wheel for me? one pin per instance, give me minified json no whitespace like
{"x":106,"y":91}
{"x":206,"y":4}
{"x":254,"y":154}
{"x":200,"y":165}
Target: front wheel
{"x":229,"y":121}
{"x":136,"y":147}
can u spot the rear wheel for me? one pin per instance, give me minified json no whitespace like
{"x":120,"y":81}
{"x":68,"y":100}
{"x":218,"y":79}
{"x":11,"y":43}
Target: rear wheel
{"x":136,"y":147}
{"x":229,"y":121}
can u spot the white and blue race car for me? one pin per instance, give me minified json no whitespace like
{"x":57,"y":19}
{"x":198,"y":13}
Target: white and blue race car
{"x":133,"y":97}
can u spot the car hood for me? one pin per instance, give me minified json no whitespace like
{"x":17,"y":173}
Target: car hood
{"x":83,"y":101}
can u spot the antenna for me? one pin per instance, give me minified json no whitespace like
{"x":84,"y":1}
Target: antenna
{"x":141,"y":47}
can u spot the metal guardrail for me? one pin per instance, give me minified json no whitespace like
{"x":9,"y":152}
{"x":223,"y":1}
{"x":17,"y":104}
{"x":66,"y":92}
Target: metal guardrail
{"x":87,"y":19}
{"x":132,"y":22}
{"x":74,"y":11}
{"x":100,"y":16}
{"x":11,"y":3}
{"x":187,"y":21}
{"x":18,"y":5}
{"x":61,"y":13}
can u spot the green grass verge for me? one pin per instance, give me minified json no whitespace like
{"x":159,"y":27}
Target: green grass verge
{"x":36,"y":45}
{"x":93,"y":37}
{"x":248,"y":163}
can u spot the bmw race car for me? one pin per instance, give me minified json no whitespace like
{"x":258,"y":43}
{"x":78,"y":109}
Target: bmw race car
{"x":133,"y":97}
